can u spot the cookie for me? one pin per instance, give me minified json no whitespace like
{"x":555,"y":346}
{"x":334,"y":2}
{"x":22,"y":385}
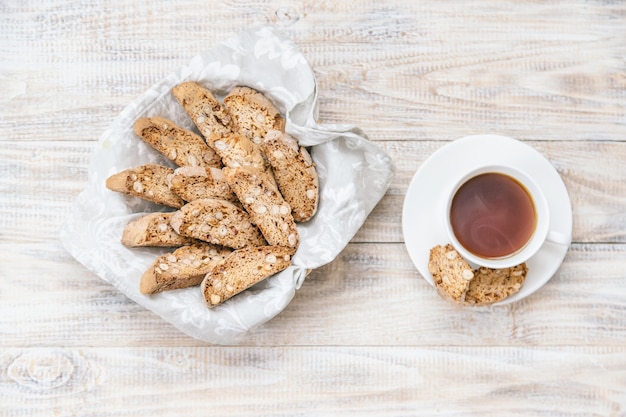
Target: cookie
{"x":236,"y":150}
{"x":185,"y":267}
{"x":258,"y":194}
{"x":149,"y":182}
{"x":294,"y":172}
{"x":194,"y":183}
{"x":451,"y":273}
{"x":181,"y":146}
{"x":217,"y":221}
{"x":153,"y":229}
{"x":252,"y":113}
{"x":207,"y":113}
{"x":242,"y":269}
{"x":492,"y":285}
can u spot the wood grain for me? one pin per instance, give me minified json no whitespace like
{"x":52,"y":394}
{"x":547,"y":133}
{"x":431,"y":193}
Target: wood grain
{"x":277,"y":381}
{"x":375,"y":295}
{"x":365,"y":335}
{"x":425,"y":70}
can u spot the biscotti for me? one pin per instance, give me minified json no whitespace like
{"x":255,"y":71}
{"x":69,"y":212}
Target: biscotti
{"x":294,"y":172}
{"x":253,"y":115}
{"x":217,"y":221}
{"x":181,"y":146}
{"x":194,"y":183}
{"x":236,"y":150}
{"x":204,"y":109}
{"x":267,"y":208}
{"x":242,"y":269}
{"x":451,"y":273}
{"x":185,"y":267}
{"x":492,"y":285}
{"x":235,"y":225}
{"x":153,"y":229}
{"x":149,"y":182}
{"x":456,"y":281}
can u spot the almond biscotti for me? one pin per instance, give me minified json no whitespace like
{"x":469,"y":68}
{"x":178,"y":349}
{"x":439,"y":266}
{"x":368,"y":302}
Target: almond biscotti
{"x":217,"y":127}
{"x":492,"y":285}
{"x":242,"y":269}
{"x":451,"y":273}
{"x":257,"y":192}
{"x":180,"y":145}
{"x":458,"y":282}
{"x":153,"y":229}
{"x":185,"y":267}
{"x":236,"y":150}
{"x":217,"y":221}
{"x":294,"y":172}
{"x":252,"y":113}
{"x":149,"y":182}
{"x":194,"y":183}
{"x":207,"y":113}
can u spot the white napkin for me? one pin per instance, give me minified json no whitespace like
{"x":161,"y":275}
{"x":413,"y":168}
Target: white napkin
{"x":354,"y":175}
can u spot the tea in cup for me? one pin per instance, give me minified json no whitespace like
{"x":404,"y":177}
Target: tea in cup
{"x":498,"y":217}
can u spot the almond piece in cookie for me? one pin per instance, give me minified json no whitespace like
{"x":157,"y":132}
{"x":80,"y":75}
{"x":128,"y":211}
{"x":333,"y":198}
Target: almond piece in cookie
{"x":253,"y":114}
{"x":185,"y":267}
{"x":294,"y":172}
{"x":204,"y":109}
{"x":257,"y":192}
{"x":181,"y":146}
{"x":194,"y":183}
{"x":492,"y":285}
{"x":153,"y":230}
{"x":242,"y":269}
{"x":217,"y":221}
{"x":451,"y":273}
{"x":149,"y":182}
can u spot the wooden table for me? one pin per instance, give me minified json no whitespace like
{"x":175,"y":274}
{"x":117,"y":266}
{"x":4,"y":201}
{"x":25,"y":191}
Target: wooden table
{"x":366,"y":335}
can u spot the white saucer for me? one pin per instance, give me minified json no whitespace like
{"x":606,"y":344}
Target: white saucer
{"x":424,"y":203}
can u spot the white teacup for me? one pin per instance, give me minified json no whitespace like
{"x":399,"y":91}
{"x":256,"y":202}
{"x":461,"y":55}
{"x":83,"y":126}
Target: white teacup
{"x":498,"y":217}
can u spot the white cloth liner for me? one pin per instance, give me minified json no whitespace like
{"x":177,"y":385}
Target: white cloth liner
{"x":354,"y":175}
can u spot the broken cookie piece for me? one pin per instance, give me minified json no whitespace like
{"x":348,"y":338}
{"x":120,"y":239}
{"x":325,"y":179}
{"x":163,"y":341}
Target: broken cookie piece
{"x":451,"y":273}
{"x":458,"y":282}
{"x":492,"y":285}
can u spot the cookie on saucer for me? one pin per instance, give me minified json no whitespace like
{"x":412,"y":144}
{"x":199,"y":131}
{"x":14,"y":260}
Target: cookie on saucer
{"x":457,"y":282}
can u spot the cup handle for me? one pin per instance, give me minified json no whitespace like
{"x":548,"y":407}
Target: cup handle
{"x":558,"y":238}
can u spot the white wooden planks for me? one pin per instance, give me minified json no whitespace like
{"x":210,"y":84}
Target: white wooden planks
{"x":365,"y":335}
